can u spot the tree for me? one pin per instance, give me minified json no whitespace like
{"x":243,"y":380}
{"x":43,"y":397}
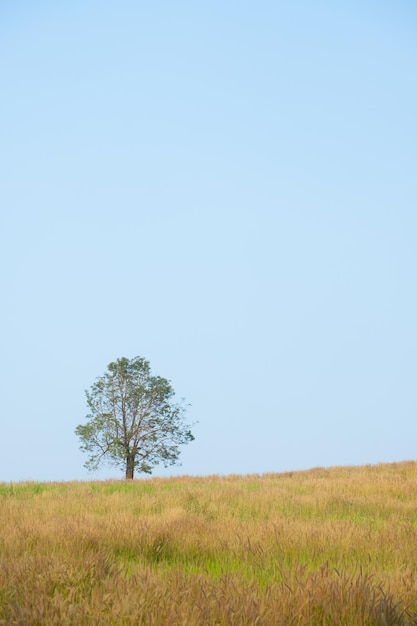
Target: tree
{"x":134,"y":421}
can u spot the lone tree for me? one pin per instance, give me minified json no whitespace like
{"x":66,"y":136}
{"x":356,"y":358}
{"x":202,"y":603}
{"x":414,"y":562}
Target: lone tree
{"x":133,"y":420}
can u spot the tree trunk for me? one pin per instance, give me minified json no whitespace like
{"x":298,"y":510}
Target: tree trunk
{"x":130,"y":466}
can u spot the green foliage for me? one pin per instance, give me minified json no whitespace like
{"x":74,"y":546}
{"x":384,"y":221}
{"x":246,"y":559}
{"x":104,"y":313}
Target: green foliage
{"x":22,"y":490}
{"x":134,"y":422}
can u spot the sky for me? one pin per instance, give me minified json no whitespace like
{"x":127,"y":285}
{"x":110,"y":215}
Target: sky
{"x":228,"y":189}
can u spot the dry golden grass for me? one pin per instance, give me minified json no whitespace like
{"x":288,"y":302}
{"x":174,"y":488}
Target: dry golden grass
{"x":328,"y":547}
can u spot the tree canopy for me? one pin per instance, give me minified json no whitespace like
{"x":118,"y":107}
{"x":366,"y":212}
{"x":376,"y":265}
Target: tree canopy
{"x":134,"y":421}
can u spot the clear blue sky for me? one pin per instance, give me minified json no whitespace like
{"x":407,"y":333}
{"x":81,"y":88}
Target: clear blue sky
{"x":227,"y":188}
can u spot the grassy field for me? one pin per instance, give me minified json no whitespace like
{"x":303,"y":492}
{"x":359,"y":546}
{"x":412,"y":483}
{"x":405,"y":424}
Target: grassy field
{"x":324,"y":546}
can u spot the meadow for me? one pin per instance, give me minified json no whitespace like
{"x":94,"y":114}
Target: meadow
{"x":333,"y":546}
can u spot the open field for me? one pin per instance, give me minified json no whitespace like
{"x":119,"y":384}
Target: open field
{"x":325,"y":546}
